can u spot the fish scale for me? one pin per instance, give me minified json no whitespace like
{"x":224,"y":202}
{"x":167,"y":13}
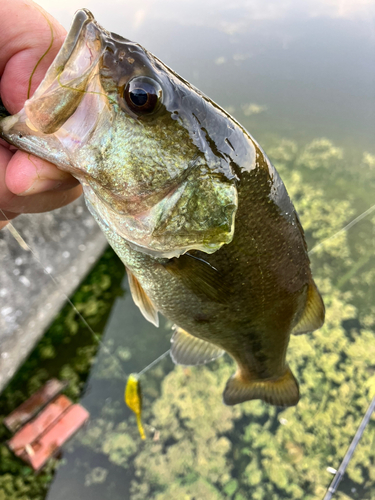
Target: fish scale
{"x":187,"y":199}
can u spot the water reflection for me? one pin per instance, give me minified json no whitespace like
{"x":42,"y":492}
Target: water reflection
{"x":300,"y":77}
{"x":310,"y":63}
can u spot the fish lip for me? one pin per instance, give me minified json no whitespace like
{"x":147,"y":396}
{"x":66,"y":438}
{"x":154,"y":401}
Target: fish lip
{"x":81,"y":18}
{"x":18,"y":128}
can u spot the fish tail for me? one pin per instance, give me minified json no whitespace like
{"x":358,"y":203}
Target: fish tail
{"x":282,"y":391}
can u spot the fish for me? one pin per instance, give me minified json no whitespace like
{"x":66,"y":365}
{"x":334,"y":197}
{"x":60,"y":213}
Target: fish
{"x":187,"y":199}
{"x":133,"y":399}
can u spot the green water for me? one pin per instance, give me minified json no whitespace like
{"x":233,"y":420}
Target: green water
{"x":300,"y":77}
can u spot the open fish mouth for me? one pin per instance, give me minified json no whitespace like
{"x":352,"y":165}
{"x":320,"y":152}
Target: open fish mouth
{"x":66,"y":81}
{"x":126,"y":126}
{"x":70,"y":87}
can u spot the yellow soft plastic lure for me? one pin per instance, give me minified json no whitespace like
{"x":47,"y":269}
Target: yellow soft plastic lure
{"x":133,"y":398}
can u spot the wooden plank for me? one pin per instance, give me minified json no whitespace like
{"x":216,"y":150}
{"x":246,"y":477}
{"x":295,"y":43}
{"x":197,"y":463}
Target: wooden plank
{"x":49,"y":444}
{"x":27,"y":410}
{"x":34,"y":429}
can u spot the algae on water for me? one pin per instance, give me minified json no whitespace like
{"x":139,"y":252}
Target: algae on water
{"x":197,"y":447}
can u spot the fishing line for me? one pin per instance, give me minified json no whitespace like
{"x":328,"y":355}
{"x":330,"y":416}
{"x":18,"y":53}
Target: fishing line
{"x":133,"y":379}
{"x":24,"y":245}
{"x":45,"y":53}
{"x":62,"y":85}
{"x":344,"y":229}
{"x":27,"y":247}
{"x":348,"y":455}
{"x":153,"y":363}
{"x":16,"y":235}
{"x":132,"y":396}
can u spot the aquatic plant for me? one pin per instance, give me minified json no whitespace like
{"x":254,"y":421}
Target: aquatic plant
{"x":199,"y":448}
{"x":66,"y":351}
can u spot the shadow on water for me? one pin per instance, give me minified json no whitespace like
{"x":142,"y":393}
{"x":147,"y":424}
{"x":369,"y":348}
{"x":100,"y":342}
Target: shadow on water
{"x":197,"y":448}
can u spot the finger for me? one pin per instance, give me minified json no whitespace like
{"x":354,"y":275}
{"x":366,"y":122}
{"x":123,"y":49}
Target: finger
{"x":42,"y":202}
{"x":27,"y":174}
{"x":23,"y":40}
{"x":5,"y":195}
{"x":22,"y":44}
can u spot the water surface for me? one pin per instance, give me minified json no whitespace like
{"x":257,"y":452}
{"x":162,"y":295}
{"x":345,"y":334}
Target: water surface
{"x":300,"y":76}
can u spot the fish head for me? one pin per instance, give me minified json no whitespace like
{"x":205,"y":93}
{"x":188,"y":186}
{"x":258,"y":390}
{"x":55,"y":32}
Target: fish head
{"x":151,"y":152}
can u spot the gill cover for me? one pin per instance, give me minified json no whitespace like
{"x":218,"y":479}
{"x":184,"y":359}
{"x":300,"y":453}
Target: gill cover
{"x":156,"y":158}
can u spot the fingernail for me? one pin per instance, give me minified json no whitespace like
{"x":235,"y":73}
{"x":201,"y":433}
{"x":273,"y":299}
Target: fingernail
{"x":41,"y":185}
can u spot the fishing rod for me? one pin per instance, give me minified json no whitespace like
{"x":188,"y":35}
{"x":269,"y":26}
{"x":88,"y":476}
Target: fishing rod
{"x":348,"y":455}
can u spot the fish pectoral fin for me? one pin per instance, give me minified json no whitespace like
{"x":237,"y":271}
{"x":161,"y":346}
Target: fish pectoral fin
{"x":313,"y":315}
{"x":200,"y":277}
{"x":282,"y":391}
{"x":142,"y":300}
{"x":189,"y":350}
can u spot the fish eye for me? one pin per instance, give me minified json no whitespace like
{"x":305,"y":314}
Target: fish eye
{"x":142,"y":95}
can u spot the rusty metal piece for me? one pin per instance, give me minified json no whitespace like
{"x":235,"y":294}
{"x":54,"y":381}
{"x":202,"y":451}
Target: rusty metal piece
{"x":49,"y":443}
{"x":31,"y":431}
{"x":56,"y":421}
{"x":34,"y":404}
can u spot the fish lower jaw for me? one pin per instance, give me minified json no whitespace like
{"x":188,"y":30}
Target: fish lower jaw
{"x":17,"y":131}
{"x":7,"y":123}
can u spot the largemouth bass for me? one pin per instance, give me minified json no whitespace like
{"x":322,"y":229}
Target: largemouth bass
{"x":187,"y":199}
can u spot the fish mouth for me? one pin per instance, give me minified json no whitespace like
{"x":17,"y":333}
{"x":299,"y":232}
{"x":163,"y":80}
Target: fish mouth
{"x":46,"y":120}
{"x":81,"y":19}
{"x":68,"y":78}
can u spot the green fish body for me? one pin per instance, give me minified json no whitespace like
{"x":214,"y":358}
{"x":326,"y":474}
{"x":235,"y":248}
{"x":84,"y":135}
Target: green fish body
{"x":187,"y":199}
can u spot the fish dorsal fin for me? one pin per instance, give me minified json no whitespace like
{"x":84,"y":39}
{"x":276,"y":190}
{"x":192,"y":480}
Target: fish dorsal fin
{"x":189,"y":350}
{"x":282,"y":391}
{"x":199,"y":276}
{"x":313,"y":315}
{"x":142,"y":300}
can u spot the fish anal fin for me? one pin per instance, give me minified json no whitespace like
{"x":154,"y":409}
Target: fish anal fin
{"x":189,"y":350}
{"x":313,"y":315}
{"x":199,"y":276}
{"x":282,"y":391}
{"x":142,"y":300}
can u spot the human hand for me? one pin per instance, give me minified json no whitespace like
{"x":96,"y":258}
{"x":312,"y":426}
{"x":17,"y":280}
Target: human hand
{"x":27,"y":184}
